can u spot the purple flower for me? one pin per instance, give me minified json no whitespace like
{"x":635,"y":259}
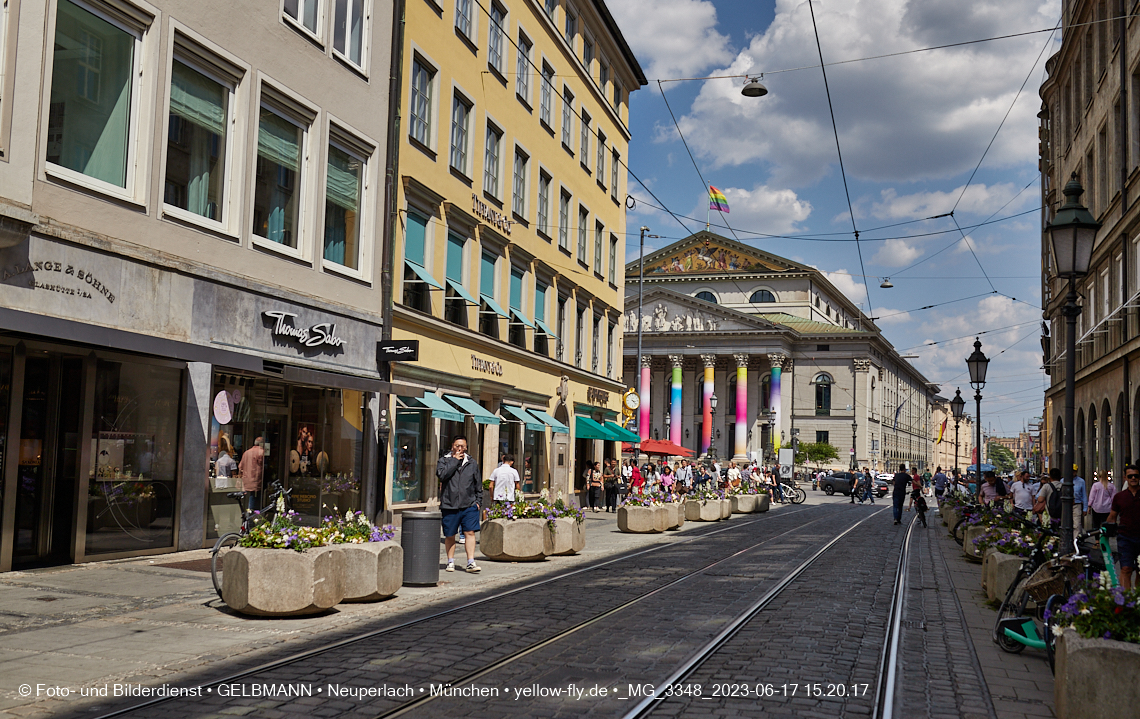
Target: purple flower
{"x":1108,"y":635}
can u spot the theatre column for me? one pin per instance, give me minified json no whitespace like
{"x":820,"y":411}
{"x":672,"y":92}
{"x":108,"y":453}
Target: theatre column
{"x":776,"y":361}
{"x":740,"y":451}
{"x":643,"y":392}
{"x":706,"y":403}
{"x":675,"y":400}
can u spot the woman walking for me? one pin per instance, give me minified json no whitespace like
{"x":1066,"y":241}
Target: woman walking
{"x":593,"y":485}
{"x":637,"y":481}
{"x":1100,"y":499}
{"x":609,"y":484}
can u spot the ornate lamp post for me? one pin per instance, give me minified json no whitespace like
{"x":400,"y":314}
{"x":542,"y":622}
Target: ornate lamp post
{"x":958,"y":409}
{"x":712,"y":434}
{"x":854,"y":431}
{"x":1071,"y":234}
{"x":978,"y":363}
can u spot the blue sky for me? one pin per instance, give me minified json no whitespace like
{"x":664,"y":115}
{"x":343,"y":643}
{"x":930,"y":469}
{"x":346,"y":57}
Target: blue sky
{"x":912,"y":129}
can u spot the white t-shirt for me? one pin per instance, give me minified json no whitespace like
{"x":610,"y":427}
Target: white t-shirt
{"x":504,"y":479}
{"x":1022,"y":495}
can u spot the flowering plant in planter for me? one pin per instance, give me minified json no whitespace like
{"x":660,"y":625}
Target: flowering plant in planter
{"x":652,"y":499}
{"x":355,"y":528}
{"x":705,"y":493}
{"x":1018,"y":542}
{"x":1100,"y":611}
{"x":541,"y":508}
{"x":284,"y":531}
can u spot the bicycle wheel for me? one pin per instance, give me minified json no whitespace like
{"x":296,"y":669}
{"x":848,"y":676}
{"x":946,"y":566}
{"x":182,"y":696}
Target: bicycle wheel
{"x":1051,"y":641}
{"x":799,"y":496}
{"x":1013,"y":606}
{"x":959,"y":532}
{"x":217,"y":558}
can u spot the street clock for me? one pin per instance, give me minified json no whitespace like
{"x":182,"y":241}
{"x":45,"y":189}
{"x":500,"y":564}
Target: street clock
{"x":631,"y":400}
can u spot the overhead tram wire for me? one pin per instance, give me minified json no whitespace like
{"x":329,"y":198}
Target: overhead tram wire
{"x":839,"y":151}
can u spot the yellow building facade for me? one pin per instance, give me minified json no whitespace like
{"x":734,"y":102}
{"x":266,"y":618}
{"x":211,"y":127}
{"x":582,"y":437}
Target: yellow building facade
{"x":509,"y":245}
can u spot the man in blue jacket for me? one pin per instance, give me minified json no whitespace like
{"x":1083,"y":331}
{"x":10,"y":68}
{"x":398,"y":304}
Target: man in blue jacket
{"x":460,"y":495}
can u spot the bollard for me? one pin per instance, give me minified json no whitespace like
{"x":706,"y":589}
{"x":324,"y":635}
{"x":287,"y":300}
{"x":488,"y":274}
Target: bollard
{"x":419,"y":537}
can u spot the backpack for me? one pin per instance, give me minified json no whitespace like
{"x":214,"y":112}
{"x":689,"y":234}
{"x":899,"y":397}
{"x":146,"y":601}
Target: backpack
{"x":1053,"y":503}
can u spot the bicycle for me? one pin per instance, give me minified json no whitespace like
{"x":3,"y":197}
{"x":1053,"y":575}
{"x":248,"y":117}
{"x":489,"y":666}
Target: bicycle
{"x":249,"y":519}
{"x":793,"y":493}
{"x":967,"y":511}
{"x":1014,"y":629}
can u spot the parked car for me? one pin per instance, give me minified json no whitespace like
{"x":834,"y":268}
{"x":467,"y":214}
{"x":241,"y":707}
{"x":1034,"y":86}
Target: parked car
{"x":842,"y":483}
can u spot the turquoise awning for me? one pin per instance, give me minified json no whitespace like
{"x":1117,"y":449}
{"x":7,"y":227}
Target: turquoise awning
{"x":423,"y":274}
{"x":473,"y":408}
{"x":520,"y":414}
{"x":495,"y":306}
{"x":439,"y":408}
{"x":586,"y":428}
{"x":546,"y":328}
{"x":462,"y":292}
{"x":554,"y":424}
{"x":522,"y":318}
{"x":623,"y":434}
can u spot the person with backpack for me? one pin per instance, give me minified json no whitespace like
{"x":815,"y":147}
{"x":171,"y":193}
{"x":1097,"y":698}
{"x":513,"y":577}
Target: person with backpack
{"x":1049,"y":497}
{"x":919,"y":503}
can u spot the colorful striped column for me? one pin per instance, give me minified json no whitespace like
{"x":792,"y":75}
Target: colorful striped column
{"x":675,"y":400}
{"x":643,"y":392}
{"x":774,"y":399}
{"x":706,"y":404}
{"x":740,"y":451}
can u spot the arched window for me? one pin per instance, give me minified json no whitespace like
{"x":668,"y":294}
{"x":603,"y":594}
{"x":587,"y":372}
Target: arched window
{"x":730,"y":400}
{"x":760,"y":296}
{"x":706,"y":296}
{"x":766,"y":392}
{"x":823,"y":384}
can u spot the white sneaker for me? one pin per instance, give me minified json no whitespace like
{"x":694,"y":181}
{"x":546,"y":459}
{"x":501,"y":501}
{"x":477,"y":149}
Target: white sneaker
{"x":462,"y":539}
{"x":450,"y":567}
{"x":473,"y":568}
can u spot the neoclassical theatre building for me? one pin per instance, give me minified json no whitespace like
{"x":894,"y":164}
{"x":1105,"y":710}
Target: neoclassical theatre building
{"x":742,"y":350}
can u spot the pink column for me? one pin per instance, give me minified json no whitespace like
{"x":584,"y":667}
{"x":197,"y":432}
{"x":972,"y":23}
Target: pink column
{"x":706,"y":405}
{"x":643,"y":412}
{"x":740,"y":451}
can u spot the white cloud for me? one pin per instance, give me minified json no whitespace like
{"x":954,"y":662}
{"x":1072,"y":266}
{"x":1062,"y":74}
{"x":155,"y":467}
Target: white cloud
{"x":761,"y":209}
{"x":850,"y":285}
{"x":677,"y":38}
{"x":896,"y":253}
{"x":924,"y":115}
{"x":978,"y":199}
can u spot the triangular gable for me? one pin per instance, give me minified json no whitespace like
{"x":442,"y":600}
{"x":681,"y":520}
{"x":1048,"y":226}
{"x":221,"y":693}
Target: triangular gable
{"x":665,"y":310}
{"x":707,"y":253}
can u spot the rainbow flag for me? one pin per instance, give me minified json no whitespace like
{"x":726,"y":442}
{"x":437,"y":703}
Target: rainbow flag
{"x":717,"y":200}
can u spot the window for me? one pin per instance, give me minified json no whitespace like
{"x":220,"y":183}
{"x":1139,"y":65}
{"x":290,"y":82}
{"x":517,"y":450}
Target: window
{"x":823,"y":348}
{"x":344,"y":188}
{"x":598,"y":235}
{"x":518,"y":333}
{"x":518,"y":203}
{"x":730,"y":398}
{"x":822,"y":384}
{"x":488,"y":318}
{"x":822,"y":437}
{"x":706,"y":296}
{"x":305,"y":12}
{"x":601,"y":169}
{"x":546,"y":101}
{"x":583,"y":228}
{"x":567,"y":117}
{"x":277,"y":192}
{"x":595,"y":355}
{"x":561,"y":329}
{"x":495,"y":38}
{"x":464,"y":22}
{"x":603,"y":77}
{"x":197,"y":142}
{"x":571,"y":27}
{"x":460,"y":117}
{"x":761,"y":297}
{"x":422,"y":80}
{"x":92,"y":95}
{"x":617,"y":95}
{"x":564,"y":222}
{"x":584,"y":154}
{"x":541,"y":339}
{"x":587,"y":53}
{"x":614,"y":162}
{"x":348,"y":30}
{"x":415,"y":237}
{"x":455,"y":308}
{"x":544,"y":203}
{"x":579,"y":333}
{"x":491,"y":161}
{"x":522,"y":69}
{"x":551,"y":5}
{"x":613,"y":259}
{"x":612,"y":351}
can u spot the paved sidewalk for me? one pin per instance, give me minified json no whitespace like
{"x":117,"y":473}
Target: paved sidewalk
{"x":144,"y":621}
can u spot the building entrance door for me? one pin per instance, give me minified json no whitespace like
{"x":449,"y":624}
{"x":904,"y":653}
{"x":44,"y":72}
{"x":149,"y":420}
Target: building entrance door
{"x":48,"y":460}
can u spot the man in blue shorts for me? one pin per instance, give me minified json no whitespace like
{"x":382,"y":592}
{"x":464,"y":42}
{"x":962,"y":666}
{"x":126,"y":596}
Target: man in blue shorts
{"x":1126,"y":514}
{"x":460,"y":495}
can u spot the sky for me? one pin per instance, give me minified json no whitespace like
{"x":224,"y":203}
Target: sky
{"x":912,"y":130}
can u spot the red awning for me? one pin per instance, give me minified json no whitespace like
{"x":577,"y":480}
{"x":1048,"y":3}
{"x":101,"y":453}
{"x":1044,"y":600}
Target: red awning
{"x":660,"y":446}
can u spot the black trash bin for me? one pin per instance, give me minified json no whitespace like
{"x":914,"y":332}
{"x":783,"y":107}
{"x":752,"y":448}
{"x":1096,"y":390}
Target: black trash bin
{"x":419,"y":536}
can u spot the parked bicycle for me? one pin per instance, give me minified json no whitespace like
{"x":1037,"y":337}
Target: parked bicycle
{"x":967,"y":512}
{"x":792,"y":493}
{"x":1017,"y":621}
{"x":249,"y":519}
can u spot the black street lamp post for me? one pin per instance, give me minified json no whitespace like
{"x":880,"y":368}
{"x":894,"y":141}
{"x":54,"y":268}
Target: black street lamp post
{"x":978,"y":363}
{"x":958,"y":409}
{"x":1072,"y":234}
{"x":854,"y":432}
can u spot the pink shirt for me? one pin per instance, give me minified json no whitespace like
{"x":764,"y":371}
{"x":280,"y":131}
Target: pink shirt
{"x":1100,"y":498}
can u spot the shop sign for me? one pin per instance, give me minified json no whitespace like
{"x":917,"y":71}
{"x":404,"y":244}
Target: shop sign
{"x":64,"y":270}
{"x":398,"y":350}
{"x":597,"y":396}
{"x":317,"y":335}
{"x":488,"y":366}
{"x":495,"y":219}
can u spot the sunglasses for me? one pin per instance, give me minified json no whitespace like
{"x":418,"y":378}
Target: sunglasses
{"x":1131,"y":476}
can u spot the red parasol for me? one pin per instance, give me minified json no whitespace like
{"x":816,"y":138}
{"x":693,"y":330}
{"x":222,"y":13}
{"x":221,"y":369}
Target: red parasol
{"x":660,"y":446}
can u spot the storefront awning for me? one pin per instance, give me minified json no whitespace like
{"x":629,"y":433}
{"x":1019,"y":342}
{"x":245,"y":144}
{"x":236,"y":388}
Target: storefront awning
{"x":495,"y":306}
{"x":522,"y":318}
{"x":586,"y":428}
{"x":520,"y":414}
{"x":473,"y":408}
{"x":623,"y":434}
{"x":439,"y":408}
{"x":423,"y":274}
{"x":462,"y":292}
{"x":546,"y":328}
{"x":554,"y":424}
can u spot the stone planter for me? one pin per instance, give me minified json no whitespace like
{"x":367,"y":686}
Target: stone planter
{"x":516,"y":540}
{"x":998,"y":572}
{"x":637,"y":520}
{"x":282,"y":582}
{"x":372,"y":570}
{"x":678,"y":515}
{"x":725,"y":508}
{"x":743,"y":503}
{"x":706,"y":511}
{"x":763,"y":502}
{"x":662,"y":517}
{"x":949,"y":517}
{"x":568,"y":537}
{"x":1095,"y":678}
{"x":968,"y":547}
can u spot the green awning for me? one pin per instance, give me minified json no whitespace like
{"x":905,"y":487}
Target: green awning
{"x":423,"y":274}
{"x":554,"y":424}
{"x":495,"y":306}
{"x":623,"y":434}
{"x":546,"y":328}
{"x":522,"y":318}
{"x":439,"y":408}
{"x":586,"y":428}
{"x":520,"y":414}
{"x":473,"y":408}
{"x":462,"y":292}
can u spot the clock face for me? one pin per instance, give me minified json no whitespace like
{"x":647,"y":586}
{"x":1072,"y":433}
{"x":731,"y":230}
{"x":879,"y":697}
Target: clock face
{"x":632,"y":400}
